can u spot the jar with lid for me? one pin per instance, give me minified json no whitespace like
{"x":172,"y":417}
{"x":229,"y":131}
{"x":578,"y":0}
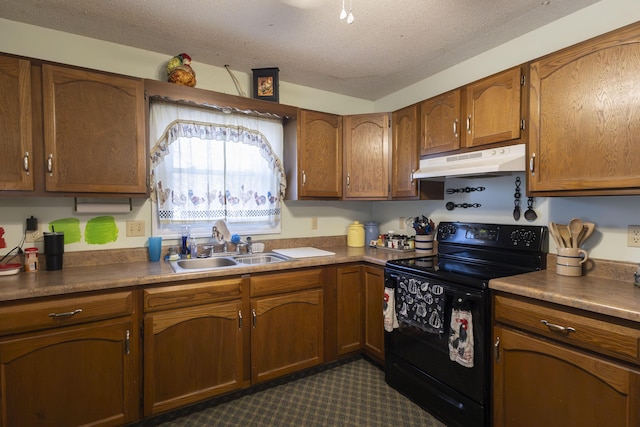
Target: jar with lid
{"x":355,"y":236}
{"x":371,"y":232}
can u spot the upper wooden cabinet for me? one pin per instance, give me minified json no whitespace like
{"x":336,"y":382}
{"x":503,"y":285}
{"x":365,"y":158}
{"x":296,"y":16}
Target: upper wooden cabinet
{"x":16,"y":144}
{"x":440,"y":118}
{"x":584,"y":107}
{"x":493,"y":108}
{"x":404,"y":154}
{"x":319,"y":155}
{"x":366,"y":156}
{"x":94,"y":132}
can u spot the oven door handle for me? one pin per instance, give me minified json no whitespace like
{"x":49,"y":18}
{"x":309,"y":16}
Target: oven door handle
{"x":496,"y":350}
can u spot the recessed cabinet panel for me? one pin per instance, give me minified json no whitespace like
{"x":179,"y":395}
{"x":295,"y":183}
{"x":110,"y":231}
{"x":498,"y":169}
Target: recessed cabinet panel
{"x":16,"y":145}
{"x":584,"y":107}
{"x":441,"y":123}
{"x":320,"y":155}
{"x":94,"y":132}
{"x":366,"y":170}
{"x":404,"y":154}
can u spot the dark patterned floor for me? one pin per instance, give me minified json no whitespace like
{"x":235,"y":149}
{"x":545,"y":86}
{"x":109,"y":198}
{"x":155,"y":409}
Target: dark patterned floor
{"x":352,"y":394}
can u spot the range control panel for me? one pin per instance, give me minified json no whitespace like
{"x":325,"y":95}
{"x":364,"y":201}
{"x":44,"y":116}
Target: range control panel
{"x":524,"y":237}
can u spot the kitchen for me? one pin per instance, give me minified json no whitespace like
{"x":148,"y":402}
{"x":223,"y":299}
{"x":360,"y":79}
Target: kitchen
{"x":608,"y":243}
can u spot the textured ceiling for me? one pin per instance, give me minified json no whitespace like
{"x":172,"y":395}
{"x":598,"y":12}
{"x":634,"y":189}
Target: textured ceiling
{"x":390,"y":45}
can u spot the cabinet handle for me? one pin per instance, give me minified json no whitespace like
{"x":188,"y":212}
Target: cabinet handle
{"x":254,"y":315}
{"x":455,"y":128}
{"x":240,"y":320}
{"x":50,"y":164}
{"x":532,"y":164}
{"x":413,"y":181}
{"x":557,"y":328}
{"x":469,"y":124}
{"x":348,"y":179}
{"x":66,"y":314}
{"x":25,"y":162}
{"x":496,"y":350}
{"x":304,"y":178}
{"x":127,"y":342}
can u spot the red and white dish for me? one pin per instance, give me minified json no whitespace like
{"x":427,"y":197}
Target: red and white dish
{"x":9,"y":269}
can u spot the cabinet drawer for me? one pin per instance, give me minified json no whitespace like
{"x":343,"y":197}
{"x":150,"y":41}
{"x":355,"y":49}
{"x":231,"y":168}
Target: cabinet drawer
{"x":65,"y":311}
{"x":286,"y":282}
{"x":196,"y":293}
{"x":589,"y":332}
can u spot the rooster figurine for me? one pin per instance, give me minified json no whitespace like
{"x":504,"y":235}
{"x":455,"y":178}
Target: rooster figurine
{"x":180,"y":72}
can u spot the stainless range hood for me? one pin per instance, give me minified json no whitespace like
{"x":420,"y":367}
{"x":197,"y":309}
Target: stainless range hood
{"x":494,"y":161}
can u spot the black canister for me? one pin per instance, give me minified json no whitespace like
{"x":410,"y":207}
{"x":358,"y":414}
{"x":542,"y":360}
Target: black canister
{"x":54,"y":249}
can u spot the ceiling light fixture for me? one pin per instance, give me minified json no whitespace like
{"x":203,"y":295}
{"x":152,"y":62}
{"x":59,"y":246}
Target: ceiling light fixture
{"x":343,"y":13}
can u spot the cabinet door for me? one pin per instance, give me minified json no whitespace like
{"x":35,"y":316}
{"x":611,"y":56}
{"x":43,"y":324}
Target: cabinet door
{"x":79,"y":375}
{"x":94,"y":132}
{"x":404,"y":154}
{"x":440,"y":118}
{"x":366,"y":140}
{"x":493,"y":109}
{"x":191,"y":354}
{"x":373,"y":318}
{"x":320,"y":154}
{"x":16,"y":146}
{"x":286,"y":335}
{"x":584,"y":108}
{"x":538,"y":383}
{"x":350,"y":298}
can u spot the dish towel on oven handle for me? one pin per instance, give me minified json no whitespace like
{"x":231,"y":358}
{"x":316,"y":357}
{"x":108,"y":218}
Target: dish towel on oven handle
{"x":421,"y":304}
{"x":389,"y":310}
{"x":461,"y":337}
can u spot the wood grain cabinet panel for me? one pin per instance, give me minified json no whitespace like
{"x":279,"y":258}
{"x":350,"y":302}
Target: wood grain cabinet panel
{"x":366,"y":156}
{"x":350,"y":297}
{"x":584,"y":105}
{"x":493,"y":109}
{"x":441,"y":123}
{"x":16,"y":144}
{"x":94,"y":132}
{"x":373,"y":317}
{"x":557,"y":366}
{"x":404,"y":152}
{"x":319,"y":154}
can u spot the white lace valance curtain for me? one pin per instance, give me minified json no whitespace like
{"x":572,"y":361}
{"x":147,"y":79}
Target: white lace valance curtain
{"x":207,"y":165}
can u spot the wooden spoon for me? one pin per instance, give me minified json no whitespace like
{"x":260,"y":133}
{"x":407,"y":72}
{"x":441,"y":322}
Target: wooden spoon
{"x":590,"y":227}
{"x":565,"y":235}
{"x":575,"y":227}
{"x":553,"y":230}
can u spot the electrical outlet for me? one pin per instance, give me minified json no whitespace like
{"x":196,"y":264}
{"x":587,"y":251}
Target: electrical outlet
{"x":314,"y":222}
{"x":633,"y":236}
{"x":33,"y":236}
{"x":402,"y":222}
{"x":135,"y":228}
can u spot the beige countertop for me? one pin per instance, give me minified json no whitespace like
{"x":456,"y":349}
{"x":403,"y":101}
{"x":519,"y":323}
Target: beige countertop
{"x":115,"y":275}
{"x":611,"y":297}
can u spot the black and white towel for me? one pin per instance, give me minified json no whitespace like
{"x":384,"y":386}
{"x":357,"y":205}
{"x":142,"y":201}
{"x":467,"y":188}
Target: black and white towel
{"x":421,"y":304}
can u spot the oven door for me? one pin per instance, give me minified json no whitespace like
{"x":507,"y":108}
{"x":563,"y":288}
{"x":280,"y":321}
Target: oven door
{"x":431,"y":351}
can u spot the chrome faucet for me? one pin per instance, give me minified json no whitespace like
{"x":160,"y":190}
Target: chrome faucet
{"x":219,"y":239}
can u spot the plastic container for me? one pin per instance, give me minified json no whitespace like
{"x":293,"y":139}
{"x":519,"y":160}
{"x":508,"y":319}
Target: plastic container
{"x":371,"y":232}
{"x":355,"y":236}
{"x":31,"y":259}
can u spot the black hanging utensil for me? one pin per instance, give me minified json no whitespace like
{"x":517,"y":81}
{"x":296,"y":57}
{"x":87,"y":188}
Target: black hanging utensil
{"x":516,"y":195}
{"x":530,"y":214}
{"x":451,"y":206}
{"x":464,"y":190}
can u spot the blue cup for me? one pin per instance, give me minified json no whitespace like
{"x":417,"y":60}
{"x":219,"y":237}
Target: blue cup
{"x":155,"y":248}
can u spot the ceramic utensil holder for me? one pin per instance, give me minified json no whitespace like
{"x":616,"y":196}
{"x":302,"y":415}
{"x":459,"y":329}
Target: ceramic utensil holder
{"x":424,"y":244}
{"x":569,"y":261}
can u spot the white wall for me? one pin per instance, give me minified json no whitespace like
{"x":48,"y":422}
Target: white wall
{"x":611,"y":214}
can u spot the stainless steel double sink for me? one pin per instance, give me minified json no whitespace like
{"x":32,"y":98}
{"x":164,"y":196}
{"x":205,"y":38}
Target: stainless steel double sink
{"x":226,"y":261}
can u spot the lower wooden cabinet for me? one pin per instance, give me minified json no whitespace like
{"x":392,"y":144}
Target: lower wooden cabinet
{"x":373,"y":317}
{"x":543,"y":381}
{"x":77,"y":375}
{"x":193,"y":343}
{"x":287,"y":332}
{"x":350,"y":310}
